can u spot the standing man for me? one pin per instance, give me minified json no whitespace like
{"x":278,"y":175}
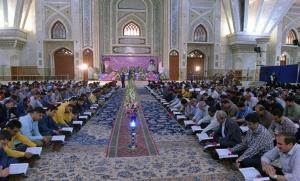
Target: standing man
{"x":123,"y":80}
{"x":273,"y":79}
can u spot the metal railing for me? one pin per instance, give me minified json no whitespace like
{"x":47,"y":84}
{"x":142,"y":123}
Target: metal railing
{"x":33,"y":77}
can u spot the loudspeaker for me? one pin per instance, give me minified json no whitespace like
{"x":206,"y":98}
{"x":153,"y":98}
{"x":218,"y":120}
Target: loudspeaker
{"x":257,"y":49}
{"x":296,"y":42}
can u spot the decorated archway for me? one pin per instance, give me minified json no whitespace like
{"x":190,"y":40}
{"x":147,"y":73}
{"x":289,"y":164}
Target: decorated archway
{"x":174,"y":65}
{"x":195,"y":65}
{"x":64,"y":63}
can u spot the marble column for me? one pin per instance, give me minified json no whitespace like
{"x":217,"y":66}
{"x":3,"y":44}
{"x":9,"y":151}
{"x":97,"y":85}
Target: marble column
{"x":262,"y":56}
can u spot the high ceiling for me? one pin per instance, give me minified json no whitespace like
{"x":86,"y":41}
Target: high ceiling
{"x":297,"y":2}
{"x":262,"y":17}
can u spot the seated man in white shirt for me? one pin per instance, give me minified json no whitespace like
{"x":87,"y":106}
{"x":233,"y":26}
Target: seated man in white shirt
{"x":30,"y":126}
{"x":175,"y":101}
{"x":288,"y":153}
{"x":201,"y":111}
{"x":209,"y":123}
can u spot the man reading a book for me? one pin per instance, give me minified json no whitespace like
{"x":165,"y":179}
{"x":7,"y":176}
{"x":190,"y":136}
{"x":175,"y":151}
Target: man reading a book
{"x":17,"y":145}
{"x":288,"y":153}
{"x":5,"y":161}
{"x":47,"y":125}
{"x":258,"y":140}
{"x":30,"y":126}
{"x":228,"y":133}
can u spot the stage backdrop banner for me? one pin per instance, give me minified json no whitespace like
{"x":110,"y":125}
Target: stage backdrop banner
{"x":115,"y":63}
{"x":285,"y":74}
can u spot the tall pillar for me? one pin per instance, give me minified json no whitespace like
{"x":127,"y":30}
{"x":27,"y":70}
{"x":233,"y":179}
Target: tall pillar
{"x":183,"y":37}
{"x":166,"y":35}
{"x":262,"y":56}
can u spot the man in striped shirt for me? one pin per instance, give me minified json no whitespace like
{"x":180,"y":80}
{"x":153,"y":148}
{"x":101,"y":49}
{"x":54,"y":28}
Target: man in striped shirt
{"x":257,"y":141}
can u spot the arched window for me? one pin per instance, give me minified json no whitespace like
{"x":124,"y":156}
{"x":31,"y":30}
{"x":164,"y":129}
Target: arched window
{"x":173,"y":53}
{"x":200,"y":34}
{"x":195,"y":54}
{"x":58,"y":31}
{"x":131,"y":29}
{"x":291,"y":37}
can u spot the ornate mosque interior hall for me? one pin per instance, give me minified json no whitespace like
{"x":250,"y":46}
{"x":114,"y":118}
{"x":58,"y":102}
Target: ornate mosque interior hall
{"x":75,"y":47}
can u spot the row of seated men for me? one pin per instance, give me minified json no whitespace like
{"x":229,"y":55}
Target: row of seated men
{"x":271,"y":115}
{"x":39,"y":124}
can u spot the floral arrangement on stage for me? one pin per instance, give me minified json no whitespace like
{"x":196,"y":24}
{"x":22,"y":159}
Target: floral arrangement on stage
{"x":131,"y":104}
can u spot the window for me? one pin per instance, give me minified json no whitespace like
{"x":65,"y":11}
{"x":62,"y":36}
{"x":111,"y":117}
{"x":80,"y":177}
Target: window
{"x":131,"y":29}
{"x":64,"y":52}
{"x":173,"y":53}
{"x":58,"y":31}
{"x":195,"y":54}
{"x":200,"y":34}
{"x":283,"y":59}
{"x":291,"y":37}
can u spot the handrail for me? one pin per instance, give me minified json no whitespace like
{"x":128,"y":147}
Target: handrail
{"x":33,"y":77}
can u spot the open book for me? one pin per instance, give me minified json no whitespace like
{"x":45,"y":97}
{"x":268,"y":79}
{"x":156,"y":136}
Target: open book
{"x":87,"y":113}
{"x":58,"y":138}
{"x":18,"y":168}
{"x":77,"y":122}
{"x":211,"y":145}
{"x":251,"y":174}
{"x":176,"y":113}
{"x":225,"y":153}
{"x":244,"y":128}
{"x":34,"y":150}
{"x":83,"y":117}
{"x":196,"y":128}
{"x":189,"y":122}
{"x":93,"y":107}
{"x":178,"y":117}
{"x":67,"y":129}
{"x":203,"y":137}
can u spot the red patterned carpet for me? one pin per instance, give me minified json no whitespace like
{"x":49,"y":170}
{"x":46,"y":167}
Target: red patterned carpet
{"x":125,"y":139}
{"x":121,"y":138}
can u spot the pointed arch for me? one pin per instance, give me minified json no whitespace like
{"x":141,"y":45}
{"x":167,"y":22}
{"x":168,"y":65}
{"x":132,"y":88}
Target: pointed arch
{"x":196,"y":54}
{"x":64,"y":62}
{"x":200,"y":34}
{"x":173,"y":53}
{"x":173,"y":65}
{"x":195,"y":65}
{"x":206,"y":24}
{"x":131,"y":29}
{"x":291,"y":37}
{"x":50,"y":23}
{"x":58,"y":31}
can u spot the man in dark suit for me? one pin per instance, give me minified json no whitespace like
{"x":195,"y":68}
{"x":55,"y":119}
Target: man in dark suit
{"x":123,"y":79}
{"x":228,"y":133}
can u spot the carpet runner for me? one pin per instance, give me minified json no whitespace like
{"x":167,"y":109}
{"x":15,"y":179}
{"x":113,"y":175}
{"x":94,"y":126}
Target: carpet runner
{"x":121,"y":138}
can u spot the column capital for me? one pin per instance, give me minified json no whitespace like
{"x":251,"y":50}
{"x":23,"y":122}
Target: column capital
{"x":263,"y":39}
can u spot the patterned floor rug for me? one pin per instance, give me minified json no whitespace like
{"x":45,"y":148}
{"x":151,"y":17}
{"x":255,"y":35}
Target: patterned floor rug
{"x":83,"y":157}
{"x":123,"y":135}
